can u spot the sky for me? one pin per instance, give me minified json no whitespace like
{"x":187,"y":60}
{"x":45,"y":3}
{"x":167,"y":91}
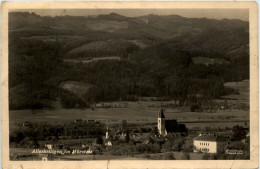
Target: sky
{"x":242,"y":14}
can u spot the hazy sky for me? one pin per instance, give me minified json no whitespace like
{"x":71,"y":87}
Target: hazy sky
{"x":242,"y":14}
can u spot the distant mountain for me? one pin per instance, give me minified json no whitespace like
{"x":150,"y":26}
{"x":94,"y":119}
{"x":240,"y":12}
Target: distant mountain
{"x":227,"y":36}
{"x":169,"y":56}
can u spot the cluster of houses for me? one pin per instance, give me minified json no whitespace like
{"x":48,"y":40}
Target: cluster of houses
{"x":110,"y":105}
{"x":203,"y":143}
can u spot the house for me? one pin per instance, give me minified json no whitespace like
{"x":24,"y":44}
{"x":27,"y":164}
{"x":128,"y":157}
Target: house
{"x":91,"y":121}
{"x":54,"y":146}
{"x":49,"y":146}
{"x":84,"y":145}
{"x":170,"y":128}
{"x":77,"y":120}
{"x":108,"y":142}
{"x":27,"y":124}
{"x":209,"y":143}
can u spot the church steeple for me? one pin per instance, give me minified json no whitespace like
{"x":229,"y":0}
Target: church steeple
{"x":161,"y":113}
{"x":161,"y":122}
{"x":107,"y":133}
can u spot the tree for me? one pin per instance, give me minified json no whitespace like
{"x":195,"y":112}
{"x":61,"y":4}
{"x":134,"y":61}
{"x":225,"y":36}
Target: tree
{"x":35,"y":142}
{"x":124,"y":125}
{"x":154,"y":131}
{"x":170,"y":156}
{"x":238,"y":133}
{"x":99,"y":140}
{"x":206,"y":157}
{"x":194,"y":107}
{"x":147,"y":156}
{"x":127,"y":137}
{"x":141,"y":130}
{"x":186,"y":156}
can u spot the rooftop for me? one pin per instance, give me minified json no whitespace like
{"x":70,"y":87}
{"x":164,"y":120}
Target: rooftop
{"x":210,"y":137}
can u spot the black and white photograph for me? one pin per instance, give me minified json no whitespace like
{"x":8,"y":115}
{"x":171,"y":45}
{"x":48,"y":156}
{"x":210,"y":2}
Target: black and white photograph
{"x":129,"y":84}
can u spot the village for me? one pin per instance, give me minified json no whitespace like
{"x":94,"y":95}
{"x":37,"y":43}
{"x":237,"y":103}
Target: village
{"x":168,"y":139}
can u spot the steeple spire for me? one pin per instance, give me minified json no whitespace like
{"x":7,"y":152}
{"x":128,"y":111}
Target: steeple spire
{"x":161,"y":113}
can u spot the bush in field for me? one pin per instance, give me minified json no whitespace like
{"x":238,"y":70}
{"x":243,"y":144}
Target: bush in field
{"x":70,"y":100}
{"x":147,"y":156}
{"x":17,"y":136}
{"x":238,"y":133}
{"x":120,"y":150}
{"x":186,"y":156}
{"x":174,"y":144}
{"x":206,"y":157}
{"x":194,"y":107}
{"x":99,"y":140}
{"x":188,"y":147}
{"x":149,"y":148}
{"x":169,"y":156}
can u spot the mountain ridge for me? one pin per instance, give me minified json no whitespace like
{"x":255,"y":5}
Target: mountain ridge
{"x":169,"y":56}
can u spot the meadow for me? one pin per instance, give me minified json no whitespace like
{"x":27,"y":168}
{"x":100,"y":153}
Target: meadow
{"x":135,"y":112}
{"x":146,"y":112}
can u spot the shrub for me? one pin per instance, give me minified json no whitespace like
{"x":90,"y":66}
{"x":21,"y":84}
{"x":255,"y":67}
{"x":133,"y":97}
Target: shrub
{"x":149,"y":148}
{"x":169,"y":156}
{"x":206,"y":157}
{"x":186,"y":156}
{"x":147,"y":156}
{"x":194,"y":107}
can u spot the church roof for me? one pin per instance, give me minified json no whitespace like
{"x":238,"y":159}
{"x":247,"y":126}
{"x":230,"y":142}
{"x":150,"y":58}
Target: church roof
{"x":161,"y":113}
{"x":182,"y":128}
{"x":171,"y":126}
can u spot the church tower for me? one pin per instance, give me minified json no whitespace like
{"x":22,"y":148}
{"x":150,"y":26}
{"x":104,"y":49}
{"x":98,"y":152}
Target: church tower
{"x":161,"y":122}
{"x":107,"y":133}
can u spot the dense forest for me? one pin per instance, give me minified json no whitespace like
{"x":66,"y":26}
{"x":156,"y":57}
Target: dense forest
{"x":155,"y":60}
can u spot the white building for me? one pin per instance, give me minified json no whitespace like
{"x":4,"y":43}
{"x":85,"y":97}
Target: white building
{"x":209,"y":143}
{"x":49,"y":146}
{"x":54,"y":146}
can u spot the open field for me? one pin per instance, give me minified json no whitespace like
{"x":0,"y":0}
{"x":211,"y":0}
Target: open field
{"x":139,"y":43}
{"x":208,"y":61}
{"x":146,"y":112}
{"x":135,"y":112}
{"x":243,"y":89}
{"x":78,"y":88}
{"x":109,"y":26}
{"x":92,"y":59}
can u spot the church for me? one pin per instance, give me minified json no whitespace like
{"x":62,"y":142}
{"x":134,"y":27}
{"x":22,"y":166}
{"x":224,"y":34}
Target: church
{"x":169,"y":127}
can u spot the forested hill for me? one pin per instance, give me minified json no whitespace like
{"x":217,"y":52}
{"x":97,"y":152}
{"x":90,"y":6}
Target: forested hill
{"x":168,"y":56}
